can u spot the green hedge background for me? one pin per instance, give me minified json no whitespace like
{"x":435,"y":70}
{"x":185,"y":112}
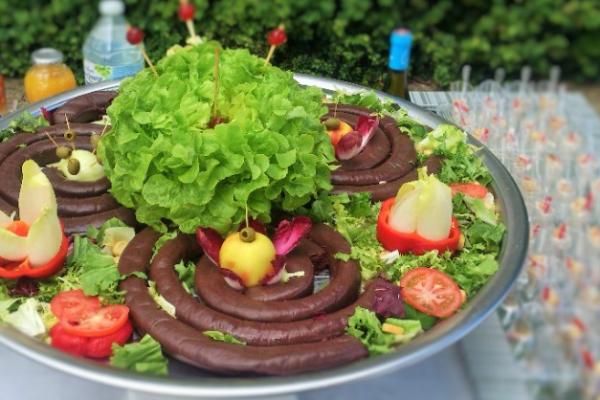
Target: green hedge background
{"x":345,"y":39}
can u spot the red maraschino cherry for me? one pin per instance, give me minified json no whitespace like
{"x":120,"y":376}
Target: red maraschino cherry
{"x":277,"y":36}
{"x":135,"y":35}
{"x":186,"y":11}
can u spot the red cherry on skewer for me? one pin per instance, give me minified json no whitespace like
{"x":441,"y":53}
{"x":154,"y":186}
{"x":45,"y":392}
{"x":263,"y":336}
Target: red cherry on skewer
{"x":186,"y":11}
{"x":135,"y":35}
{"x":277,"y":36}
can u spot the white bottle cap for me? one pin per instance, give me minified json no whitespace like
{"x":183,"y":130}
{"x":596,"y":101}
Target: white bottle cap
{"x":112,"y":7}
{"x":46,"y":56}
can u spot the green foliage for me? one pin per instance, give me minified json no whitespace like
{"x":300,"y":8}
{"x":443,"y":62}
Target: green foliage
{"x":346,"y":39}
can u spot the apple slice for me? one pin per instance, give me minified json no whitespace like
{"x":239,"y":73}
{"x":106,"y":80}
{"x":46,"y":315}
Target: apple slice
{"x":12,"y":247}
{"x":36,"y":193}
{"x":90,"y":169}
{"x":44,"y":238}
{"x":435,"y":210}
{"x":403,"y":216}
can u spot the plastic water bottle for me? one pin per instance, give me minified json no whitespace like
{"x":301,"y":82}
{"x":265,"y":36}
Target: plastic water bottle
{"x":106,"y":53}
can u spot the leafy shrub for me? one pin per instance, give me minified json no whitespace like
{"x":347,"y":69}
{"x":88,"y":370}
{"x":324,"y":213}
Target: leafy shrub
{"x":346,"y":39}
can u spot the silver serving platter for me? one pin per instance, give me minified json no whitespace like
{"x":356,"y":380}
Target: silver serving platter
{"x":184,"y":380}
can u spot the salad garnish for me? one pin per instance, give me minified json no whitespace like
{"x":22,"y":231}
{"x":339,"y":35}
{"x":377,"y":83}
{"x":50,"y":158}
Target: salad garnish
{"x":34,"y":246}
{"x":248,"y":257}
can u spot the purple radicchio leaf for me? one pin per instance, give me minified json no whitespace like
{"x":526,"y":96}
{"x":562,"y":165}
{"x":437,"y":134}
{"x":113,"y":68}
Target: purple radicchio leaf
{"x":278,"y":271}
{"x":289,"y":233}
{"x":211,"y":242}
{"x":25,"y":287}
{"x":46,"y":114}
{"x":354,"y":142}
{"x":387,"y":302}
{"x":232,"y":279}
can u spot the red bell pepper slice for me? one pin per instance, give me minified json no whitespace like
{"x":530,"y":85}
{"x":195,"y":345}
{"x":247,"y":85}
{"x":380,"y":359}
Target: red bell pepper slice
{"x":20,"y":269}
{"x":392,"y":240}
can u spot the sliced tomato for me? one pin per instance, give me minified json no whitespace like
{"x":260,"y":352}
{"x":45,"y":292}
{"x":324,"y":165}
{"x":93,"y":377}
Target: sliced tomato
{"x":473,"y":189}
{"x":72,"y":305}
{"x":103,"y":322}
{"x":431,"y":291}
{"x":93,"y":347}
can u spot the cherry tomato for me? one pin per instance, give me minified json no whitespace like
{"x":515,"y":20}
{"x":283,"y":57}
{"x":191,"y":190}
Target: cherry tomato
{"x":186,"y":11}
{"x":93,"y":347}
{"x":277,"y":37}
{"x":73,"y":304}
{"x":470,"y":189}
{"x":103,"y":322}
{"x":135,"y":35}
{"x":431,"y":292}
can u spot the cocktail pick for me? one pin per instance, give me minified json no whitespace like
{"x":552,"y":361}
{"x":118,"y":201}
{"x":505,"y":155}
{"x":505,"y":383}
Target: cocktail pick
{"x":466,"y":74}
{"x":135,"y":36}
{"x":276,"y":37}
{"x":216,"y":79}
{"x":186,"y":14}
{"x":215,"y":119}
{"x":499,"y":75}
{"x":554,"y":78}
{"x":525,"y":77}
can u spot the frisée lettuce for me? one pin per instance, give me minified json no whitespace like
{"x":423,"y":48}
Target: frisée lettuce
{"x":165,"y":160}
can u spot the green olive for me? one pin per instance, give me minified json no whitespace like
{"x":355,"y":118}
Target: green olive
{"x":332,"y":124}
{"x":247,"y":235}
{"x":73,"y":166}
{"x":70,"y":135}
{"x":63,"y":152}
{"x":94,"y":140}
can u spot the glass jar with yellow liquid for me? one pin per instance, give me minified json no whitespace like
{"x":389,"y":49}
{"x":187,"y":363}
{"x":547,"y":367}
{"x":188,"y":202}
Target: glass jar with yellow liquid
{"x":48,"y":76}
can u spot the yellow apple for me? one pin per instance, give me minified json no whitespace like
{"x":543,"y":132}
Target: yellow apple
{"x":250,"y":260}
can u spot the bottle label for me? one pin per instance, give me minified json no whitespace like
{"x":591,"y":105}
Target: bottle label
{"x":95,"y":73}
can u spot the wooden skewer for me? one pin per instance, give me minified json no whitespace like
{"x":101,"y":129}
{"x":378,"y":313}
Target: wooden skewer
{"x":216,"y":79}
{"x":270,"y":54}
{"x":71,"y":142}
{"x":148,"y":61}
{"x":189,"y":23}
{"x":51,"y":139}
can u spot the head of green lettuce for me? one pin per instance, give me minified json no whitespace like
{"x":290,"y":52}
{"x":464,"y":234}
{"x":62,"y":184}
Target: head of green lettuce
{"x":164,"y":161}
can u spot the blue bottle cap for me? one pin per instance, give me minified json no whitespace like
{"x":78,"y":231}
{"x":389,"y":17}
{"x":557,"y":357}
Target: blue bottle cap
{"x":400,"y":44}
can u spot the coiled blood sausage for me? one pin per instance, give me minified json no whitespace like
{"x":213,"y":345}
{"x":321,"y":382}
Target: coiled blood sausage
{"x":190,"y":345}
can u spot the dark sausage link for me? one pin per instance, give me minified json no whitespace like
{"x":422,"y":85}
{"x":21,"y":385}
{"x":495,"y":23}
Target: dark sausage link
{"x":204,"y":318}
{"x":191,"y":346}
{"x":389,"y":189}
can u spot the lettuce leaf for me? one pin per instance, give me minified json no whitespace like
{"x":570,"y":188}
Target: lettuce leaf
{"x":186,"y":270}
{"x":144,"y":356}
{"x":163,"y":160}
{"x":366,"y":327}
{"x":223,"y":337}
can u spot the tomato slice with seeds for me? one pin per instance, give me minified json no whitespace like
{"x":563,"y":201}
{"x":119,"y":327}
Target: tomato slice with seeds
{"x":72,"y":305}
{"x":103,"y":322}
{"x":470,"y":189}
{"x":431,"y":292}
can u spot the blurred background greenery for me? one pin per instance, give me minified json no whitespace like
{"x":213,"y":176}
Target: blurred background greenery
{"x":345,"y":39}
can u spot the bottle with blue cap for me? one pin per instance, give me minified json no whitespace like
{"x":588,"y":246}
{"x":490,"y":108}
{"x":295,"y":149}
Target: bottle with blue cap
{"x":400,"y":44}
